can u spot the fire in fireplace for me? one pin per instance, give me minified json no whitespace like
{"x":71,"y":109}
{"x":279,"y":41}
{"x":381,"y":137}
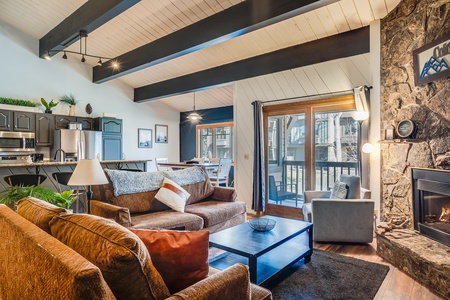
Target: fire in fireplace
{"x":445,"y":215}
{"x":431,"y":203}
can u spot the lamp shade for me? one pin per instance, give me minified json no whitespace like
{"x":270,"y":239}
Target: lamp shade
{"x":194,"y":116}
{"x":367,"y":148}
{"x":360,"y":115}
{"x":88,"y":172}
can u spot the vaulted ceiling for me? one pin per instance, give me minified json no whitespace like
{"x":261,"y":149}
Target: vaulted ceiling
{"x":169,"y":48}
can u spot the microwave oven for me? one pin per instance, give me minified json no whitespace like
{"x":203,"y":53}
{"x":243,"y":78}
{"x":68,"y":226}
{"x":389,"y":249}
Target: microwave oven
{"x":11,"y":141}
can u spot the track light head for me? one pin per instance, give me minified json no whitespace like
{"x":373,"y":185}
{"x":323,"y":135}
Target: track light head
{"x":99,"y":63}
{"x":83,"y":59}
{"x":47,"y":56}
{"x":65,"y":55}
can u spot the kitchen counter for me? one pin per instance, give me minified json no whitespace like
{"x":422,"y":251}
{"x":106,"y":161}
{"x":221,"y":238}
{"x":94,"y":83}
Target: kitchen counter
{"x":63,"y":163}
{"x":47,"y":168}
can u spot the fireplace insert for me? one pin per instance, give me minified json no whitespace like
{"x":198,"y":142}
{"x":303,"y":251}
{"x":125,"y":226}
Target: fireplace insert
{"x":431,"y":203}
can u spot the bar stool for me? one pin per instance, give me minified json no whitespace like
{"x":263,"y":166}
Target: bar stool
{"x":25,"y":179}
{"x":62,"y":178}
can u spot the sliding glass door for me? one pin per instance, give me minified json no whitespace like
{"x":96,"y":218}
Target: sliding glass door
{"x":308,"y":145}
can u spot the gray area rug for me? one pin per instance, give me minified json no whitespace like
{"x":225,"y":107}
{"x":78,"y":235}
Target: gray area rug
{"x":331,"y":276}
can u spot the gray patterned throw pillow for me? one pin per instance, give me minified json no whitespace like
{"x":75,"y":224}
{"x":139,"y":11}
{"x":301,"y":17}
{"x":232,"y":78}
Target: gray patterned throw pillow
{"x":339,"y":190}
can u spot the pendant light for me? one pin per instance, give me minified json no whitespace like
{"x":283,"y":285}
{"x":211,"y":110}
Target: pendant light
{"x":194,"y":116}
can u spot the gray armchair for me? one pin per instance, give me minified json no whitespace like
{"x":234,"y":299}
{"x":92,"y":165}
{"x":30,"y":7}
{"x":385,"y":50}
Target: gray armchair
{"x":341,"y":220}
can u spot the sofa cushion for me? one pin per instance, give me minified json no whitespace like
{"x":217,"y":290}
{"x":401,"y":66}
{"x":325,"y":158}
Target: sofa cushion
{"x":172,"y":195}
{"x":122,"y":257}
{"x":38,"y":211}
{"x":181,"y":257}
{"x":198,"y":189}
{"x":353,"y":185}
{"x":136,"y":203}
{"x":134,"y":182}
{"x":214,"y":212}
{"x":167,"y":220}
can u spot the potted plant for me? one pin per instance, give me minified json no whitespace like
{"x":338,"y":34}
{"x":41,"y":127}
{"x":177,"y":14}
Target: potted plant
{"x":12,"y":195}
{"x":48,"y":105}
{"x":24,"y":105}
{"x":70,"y":100}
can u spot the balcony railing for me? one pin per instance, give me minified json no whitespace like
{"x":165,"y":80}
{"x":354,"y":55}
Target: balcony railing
{"x":326,"y":173}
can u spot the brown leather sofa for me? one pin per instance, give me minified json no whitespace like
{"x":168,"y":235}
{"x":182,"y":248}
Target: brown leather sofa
{"x":209,"y":207}
{"x":110,"y":262}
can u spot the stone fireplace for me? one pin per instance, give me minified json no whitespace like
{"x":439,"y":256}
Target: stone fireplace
{"x":412,"y":24}
{"x":431,"y":203}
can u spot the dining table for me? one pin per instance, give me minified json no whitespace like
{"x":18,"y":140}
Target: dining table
{"x":209,"y":167}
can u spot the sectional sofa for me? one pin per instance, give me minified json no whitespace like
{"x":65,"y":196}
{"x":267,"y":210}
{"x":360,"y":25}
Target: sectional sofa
{"x":48,"y":253}
{"x":129,"y":199}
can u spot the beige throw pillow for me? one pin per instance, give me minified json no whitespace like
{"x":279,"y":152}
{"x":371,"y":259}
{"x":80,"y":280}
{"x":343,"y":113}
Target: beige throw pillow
{"x":172,"y":195}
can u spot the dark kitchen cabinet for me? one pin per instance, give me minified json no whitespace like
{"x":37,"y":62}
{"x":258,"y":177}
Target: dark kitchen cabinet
{"x":62,"y":122}
{"x":111,"y":129}
{"x":87,"y":123}
{"x":5,"y":120}
{"x":44,"y":129}
{"x":23,"y":121}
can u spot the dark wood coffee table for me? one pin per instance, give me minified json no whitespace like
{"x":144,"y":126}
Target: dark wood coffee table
{"x":267,"y":254}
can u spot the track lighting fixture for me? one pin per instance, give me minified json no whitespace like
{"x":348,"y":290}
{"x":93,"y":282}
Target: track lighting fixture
{"x":83,"y":42}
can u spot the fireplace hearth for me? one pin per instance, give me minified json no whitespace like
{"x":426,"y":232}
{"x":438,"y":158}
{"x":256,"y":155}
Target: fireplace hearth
{"x":431,"y":203}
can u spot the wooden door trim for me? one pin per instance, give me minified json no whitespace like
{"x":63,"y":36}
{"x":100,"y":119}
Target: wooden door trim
{"x":308,"y":108}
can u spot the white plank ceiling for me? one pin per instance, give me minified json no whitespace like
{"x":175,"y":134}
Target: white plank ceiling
{"x":151,"y":19}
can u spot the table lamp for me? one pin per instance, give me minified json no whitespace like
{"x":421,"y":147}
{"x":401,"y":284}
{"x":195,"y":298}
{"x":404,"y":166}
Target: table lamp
{"x":88,"y":172}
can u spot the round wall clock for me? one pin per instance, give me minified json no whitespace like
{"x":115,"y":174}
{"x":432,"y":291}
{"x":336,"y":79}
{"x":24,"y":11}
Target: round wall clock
{"x":405,"y":128}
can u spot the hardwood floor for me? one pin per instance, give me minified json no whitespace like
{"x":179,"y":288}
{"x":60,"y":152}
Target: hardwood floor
{"x":396,"y":285}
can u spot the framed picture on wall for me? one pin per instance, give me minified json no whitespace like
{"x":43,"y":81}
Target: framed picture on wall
{"x":161,"y":133}
{"x":432,"y":61}
{"x":145,"y":138}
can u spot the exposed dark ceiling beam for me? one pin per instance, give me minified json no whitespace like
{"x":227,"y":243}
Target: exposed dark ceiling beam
{"x":241,"y":18}
{"x":88,"y":17}
{"x":337,"y":46}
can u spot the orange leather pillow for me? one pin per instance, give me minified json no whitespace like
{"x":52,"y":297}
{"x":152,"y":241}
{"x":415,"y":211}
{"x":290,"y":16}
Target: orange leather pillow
{"x":181,"y":257}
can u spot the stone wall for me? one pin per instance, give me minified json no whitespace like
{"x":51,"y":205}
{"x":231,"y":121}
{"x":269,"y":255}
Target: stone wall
{"x":412,"y":24}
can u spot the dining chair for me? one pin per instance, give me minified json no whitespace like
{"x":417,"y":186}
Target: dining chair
{"x":223,"y":172}
{"x":25,"y":179}
{"x":162,"y":160}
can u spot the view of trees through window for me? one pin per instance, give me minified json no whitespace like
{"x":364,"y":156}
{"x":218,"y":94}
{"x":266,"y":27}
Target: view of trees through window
{"x":215,"y":140}
{"x":309,"y":150}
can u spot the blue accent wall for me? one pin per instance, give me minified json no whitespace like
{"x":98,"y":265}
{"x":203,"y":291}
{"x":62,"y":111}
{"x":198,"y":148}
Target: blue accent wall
{"x":187,"y":128}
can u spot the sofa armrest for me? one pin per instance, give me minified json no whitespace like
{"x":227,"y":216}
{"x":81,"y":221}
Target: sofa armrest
{"x":119,"y":214}
{"x":231,"y":283}
{"x":309,"y":195}
{"x":224,"y":194}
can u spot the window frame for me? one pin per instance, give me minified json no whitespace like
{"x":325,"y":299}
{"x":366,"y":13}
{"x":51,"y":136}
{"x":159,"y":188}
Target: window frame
{"x":214,"y":126}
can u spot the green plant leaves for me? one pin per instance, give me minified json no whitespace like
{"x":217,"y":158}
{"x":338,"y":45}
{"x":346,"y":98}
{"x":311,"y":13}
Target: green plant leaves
{"x":18,"y":102}
{"x":48,"y":105}
{"x":13,"y":194}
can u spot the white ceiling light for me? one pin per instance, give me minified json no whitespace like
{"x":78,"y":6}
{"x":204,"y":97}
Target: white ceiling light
{"x":194,"y":116}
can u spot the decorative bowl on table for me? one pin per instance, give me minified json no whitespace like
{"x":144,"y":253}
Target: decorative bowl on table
{"x":262,"y":224}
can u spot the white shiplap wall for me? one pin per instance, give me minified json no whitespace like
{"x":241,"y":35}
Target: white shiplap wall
{"x":328,"y":77}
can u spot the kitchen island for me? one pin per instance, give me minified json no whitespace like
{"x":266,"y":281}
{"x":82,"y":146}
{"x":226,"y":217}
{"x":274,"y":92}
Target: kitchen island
{"x":48,"y":167}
